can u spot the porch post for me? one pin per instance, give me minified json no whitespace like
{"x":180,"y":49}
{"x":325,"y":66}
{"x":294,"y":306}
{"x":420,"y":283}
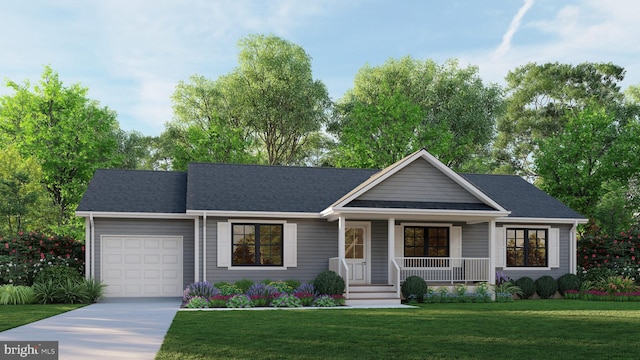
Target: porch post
{"x":196,"y":251}
{"x":492,"y":252}
{"x":391,"y":242}
{"x":341,"y":241}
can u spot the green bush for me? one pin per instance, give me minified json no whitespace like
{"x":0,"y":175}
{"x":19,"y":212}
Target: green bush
{"x":228,"y":289}
{"x":16,"y":295}
{"x":198,"y":303}
{"x":329,"y":283}
{"x":527,"y":286}
{"x":294,"y":284}
{"x":58,"y":274}
{"x":281,"y":287}
{"x":243,"y":284}
{"x":94,"y":289}
{"x":72,"y":292}
{"x":46,"y":292}
{"x":568,"y":282}
{"x":546,"y":286}
{"x":414,"y":287}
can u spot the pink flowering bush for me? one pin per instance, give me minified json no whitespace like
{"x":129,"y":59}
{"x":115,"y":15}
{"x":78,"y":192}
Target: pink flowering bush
{"x":602,"y":255}
{"x":24,"y":255}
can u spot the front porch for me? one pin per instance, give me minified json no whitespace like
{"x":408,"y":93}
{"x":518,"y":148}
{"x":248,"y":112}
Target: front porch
{"x":436,"y":271}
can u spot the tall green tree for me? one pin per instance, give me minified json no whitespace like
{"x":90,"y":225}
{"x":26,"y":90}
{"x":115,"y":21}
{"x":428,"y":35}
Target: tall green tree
{"x":69,"y":134}
{"x":594,"y":154}
{"x":22,"y":195}
{"x":206,"y":127}
{"x":407,"y":104}
{"x":539,"y":98}
{"x":276,"y":97}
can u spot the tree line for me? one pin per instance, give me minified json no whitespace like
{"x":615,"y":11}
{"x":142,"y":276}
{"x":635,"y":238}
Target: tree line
{"x":568,"y":128}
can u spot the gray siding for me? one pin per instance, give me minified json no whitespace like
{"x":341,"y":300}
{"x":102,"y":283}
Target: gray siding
{"x":419,"y":181}
{"x":554,"y":272}
{"x":475,"y":240}
{"x":317,"y":242}
{"x":182,"y":228}
{"x":379,"y":253}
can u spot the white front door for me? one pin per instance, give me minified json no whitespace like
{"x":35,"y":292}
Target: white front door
{"x":357,"y":252}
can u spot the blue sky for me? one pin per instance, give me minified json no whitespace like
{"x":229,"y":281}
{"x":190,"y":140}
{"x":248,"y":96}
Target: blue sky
{"x":132,"y":53}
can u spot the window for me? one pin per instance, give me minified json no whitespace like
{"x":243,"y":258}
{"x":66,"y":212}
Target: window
{"x":426,"y":241}
{"x":257,"y":244}
{"x":527,"y":247}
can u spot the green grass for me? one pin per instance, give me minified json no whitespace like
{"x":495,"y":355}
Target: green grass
{"x":525,"y":329}
{"x":17,"y":315}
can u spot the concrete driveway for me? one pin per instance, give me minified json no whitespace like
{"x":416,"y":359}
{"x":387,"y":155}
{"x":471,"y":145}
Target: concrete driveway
{"x":121,"y":328}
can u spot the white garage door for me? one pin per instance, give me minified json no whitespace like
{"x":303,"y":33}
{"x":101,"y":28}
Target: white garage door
{"x":141,"y":265}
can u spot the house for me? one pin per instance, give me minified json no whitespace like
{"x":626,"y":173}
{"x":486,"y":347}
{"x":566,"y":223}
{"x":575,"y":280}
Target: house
{"x":151,"y":233}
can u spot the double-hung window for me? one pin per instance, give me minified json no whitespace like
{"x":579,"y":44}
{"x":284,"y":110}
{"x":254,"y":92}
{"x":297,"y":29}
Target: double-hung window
{"x":257,"y":245}
{"x":527,"y":247}
{"x":423,"y":241}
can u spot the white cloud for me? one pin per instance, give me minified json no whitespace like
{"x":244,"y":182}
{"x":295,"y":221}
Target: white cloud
{"x":513,"y":27}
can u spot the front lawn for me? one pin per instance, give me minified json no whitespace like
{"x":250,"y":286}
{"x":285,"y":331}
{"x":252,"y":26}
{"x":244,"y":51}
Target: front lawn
{"x":17,"y":315}
{"x":525,"y":329}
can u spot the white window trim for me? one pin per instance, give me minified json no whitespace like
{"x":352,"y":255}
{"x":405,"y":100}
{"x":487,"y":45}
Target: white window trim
{"x":527,"y":268}
{"x":232,"y":267}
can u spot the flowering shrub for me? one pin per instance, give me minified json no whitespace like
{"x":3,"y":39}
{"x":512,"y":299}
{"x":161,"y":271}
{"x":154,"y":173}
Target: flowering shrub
{"x":229,"y":289}
{"x":219,"y":301}
{"x":620,"y":253}
{"x":239,"y":301}
{"x":306,"y":298}
{"x":203,"y":289}
{"x":24,"y":255}
{"x":286,"y":300}
{"x":338,"y":299}
{"x":262,"y":294}
{"x":281,"y":286}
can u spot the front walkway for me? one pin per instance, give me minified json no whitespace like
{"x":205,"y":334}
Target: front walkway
{"x":112,"y":329}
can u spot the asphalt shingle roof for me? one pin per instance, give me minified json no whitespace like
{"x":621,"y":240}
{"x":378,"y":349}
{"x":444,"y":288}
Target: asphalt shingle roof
{"x":136,"y":191}
{"x":269,"y":188}
{"x":520,"y":197}
{"x":285,"y":189}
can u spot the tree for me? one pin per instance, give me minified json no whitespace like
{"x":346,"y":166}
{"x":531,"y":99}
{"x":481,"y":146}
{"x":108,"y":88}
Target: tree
{"x":275,"y":96}
{"x":594,"y":154}
{"x":133,"y":150}
{"x":21,"y":192}
{"x":205,"y":126}
{"x":69,"y":134}
{"x":407,"y":104}
{"x":539,"y":99}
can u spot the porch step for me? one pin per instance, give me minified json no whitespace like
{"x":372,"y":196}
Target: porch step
{"x":372,"y":295}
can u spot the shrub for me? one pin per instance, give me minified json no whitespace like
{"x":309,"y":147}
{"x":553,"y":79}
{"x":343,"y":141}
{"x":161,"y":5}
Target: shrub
{"x":618,"y":252}
{"x":72,"y":292}
{"x":197,"y":302}
{"x":286,"y":300}
{"x":596,"y":274}
{"x":616,"y":284}
{"x":416,"y":286}
{"x":46,"y":292}
{"x":58,"y":274}
{"x":306,"y":298}
{"x":239,"y":301}
{"x":294,"y":284}
{"x":508,"y":287}
{"x":281,"y":286}
{"x":95,"y":289}
{"x":16,"y":295}
{"x":324,"y":301}
{"x":24,"y":255}
{"x":220,"y":284}
{"x":219,"y":301}
{"x":546,"y":286}
{"x":568,"y":282}
{"x":308,"y":288}
{"x":483,"y":293}
{"x":202,"y":289}
{"x":243,"y":284}
{"x":261,"y":294}
{"x":527,"y":286}
{"x":329,"y":283}
{"x":228,"y":289}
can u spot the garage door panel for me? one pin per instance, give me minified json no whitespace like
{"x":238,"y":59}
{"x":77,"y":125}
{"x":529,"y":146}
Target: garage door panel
{"x":142,"y":265}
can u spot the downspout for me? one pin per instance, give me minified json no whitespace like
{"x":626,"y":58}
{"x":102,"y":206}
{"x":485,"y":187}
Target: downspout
{"x":573,"y":248}
{"x":196,"y":249}
{"x":93,"y":246}
{"x":204,"y":246}
{"x":87,"y":248}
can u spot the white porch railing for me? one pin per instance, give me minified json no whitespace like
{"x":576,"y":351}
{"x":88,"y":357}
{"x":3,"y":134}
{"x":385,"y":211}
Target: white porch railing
{"x":395,"y":275}
{"x":339,"y":266}
{"x":439,"y":269}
